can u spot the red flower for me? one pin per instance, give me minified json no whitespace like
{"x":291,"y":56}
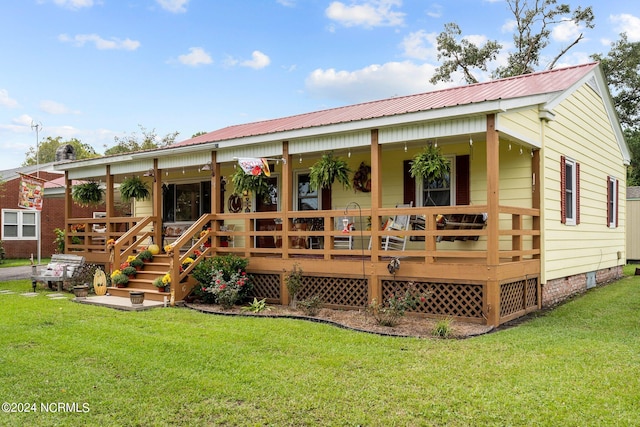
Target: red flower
{"x":257,"y":170}
{"x":222,"y":287}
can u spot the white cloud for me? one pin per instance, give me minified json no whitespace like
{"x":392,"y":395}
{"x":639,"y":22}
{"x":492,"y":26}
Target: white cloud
{"x":174,"y":6}
{"x":258,"y":61}
{"x":372,"y":82}
{"x":196,"y":56}
{"x":100,"y":43}
{"x":626,"y":23}
{"x":23,"y":120}
{"x":566,"y":31}
{"x":420,"y":45}
{"x":53,"y":107}
{"x":435,"y":11}
{"x":286,"y":3}
{"x":74,"y":4}
{"x":510,"y":26}
{"x":368,"y":14}
{"x":7,"y":101}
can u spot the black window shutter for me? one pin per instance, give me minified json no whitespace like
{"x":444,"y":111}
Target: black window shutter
{"x":409,"y":184}
{"x":463,"y":190}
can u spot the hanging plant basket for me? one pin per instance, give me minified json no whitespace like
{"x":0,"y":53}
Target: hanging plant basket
{"x":256,"y":184}
{"x":87,"y":194}
{"x":327,"y":170}
{"x":430,"y":164}
{"x":134,"y":188}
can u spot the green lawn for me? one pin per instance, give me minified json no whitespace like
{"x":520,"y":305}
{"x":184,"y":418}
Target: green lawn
{"x":577,"y":365}
{"x":18,"y":262}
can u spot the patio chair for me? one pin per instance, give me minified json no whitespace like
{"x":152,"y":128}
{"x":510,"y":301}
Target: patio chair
{"x":398,"y":222}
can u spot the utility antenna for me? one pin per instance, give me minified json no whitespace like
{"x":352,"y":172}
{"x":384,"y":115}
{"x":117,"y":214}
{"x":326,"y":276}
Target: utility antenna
{"x":38,"y":127}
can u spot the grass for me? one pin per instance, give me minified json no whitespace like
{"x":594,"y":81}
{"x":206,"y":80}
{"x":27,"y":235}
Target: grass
{"x":576,"y":365}
{"x":19,"y":262}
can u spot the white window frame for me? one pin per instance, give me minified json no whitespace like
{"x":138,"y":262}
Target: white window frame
{"x":571,"y":220}
{"x":452,"y":184}
{"x":21,"y":224}
{"x":296,"y":181}
{"x":613,"y":202}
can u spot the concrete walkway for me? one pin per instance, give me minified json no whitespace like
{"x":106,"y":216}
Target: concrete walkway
{"x":16,"y":273}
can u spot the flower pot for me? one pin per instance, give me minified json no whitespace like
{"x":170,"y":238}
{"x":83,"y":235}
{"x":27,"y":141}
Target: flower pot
{"x":121,"y":285}
{"x":81,"y":291}
{"x":136,"y":297}
{"x":160,"y":288}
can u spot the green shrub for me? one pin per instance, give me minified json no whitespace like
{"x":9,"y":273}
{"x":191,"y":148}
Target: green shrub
{"x":257,"y":306}
{"x":222,"y":276}
{"x":59,"y":240}
{"x":293,"y":280}
{"x":2,"y":252}
{"x":442,"y":327}
{"x":311,"y":306}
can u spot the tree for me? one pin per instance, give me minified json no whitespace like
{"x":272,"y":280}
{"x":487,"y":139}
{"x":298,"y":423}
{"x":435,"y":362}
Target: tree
{"x":47,"y":148}
{"x":534,"y":21}
{"x":622,"y":68}
{"x":149,"y":141}
{"x":198,"y":134}
{"x":458,"y":52}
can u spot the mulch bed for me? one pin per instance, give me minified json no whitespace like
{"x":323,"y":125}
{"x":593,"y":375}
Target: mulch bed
{"x":356,"y":320}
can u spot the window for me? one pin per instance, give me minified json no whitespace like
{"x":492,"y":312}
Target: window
{"x":186,"y":202}
{"x":453,"y":190}
{"x":306,"y":198}
{"x":19,"y":225}
{"x":612,"y":202}
{"x":569,"y":191}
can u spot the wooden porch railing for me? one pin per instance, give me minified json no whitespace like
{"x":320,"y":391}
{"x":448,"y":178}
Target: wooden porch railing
{"x":135,"y":237}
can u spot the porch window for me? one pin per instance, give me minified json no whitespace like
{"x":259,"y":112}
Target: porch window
{"x":19,"y":224}
{"x":570,"y":191}
{"x":186,"y":202}
{"x":612,"y":202}
{"x":306,"y":198}
{"x":452,"y":190}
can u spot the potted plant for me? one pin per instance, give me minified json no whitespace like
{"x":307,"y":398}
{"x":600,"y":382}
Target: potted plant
{"x":87,"y":193}
{"x":158,"y":283}
{"x":146,"y":255}
{"x":136,"y":263}
{"x":121,"y":280}
{"x":256,"y":184}
{"x":327,"y":170}
{"x":129,"y":271}
{"x":431,"y":165}
{"x":134,"y":188}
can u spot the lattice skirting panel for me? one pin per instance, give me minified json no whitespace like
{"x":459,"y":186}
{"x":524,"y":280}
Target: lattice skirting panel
{"x":521,"y":295}
{"x":266,"y":286}
{"x":450,"y":299}
{"x":338,"y":291}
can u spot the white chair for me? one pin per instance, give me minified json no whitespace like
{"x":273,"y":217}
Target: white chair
{"x":344,"y":240}
{"x":397,"y":223}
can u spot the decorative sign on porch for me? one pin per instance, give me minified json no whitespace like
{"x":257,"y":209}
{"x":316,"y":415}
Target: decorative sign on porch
{"x":254,"y":166}
{"x":30,"y":192}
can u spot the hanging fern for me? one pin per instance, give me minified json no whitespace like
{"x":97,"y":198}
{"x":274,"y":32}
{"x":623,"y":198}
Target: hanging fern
{"x":134,"y":188}
{"x":327,"y":170}
{"x":87,"y":194}
{"x":430,"y":164}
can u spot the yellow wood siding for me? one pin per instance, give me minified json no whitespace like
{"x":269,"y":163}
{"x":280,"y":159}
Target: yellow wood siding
{"x":582,"y":132}
{"x":522,"y":124}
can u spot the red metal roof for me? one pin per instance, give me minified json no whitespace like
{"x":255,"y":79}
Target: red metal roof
{"x":514,"y":87}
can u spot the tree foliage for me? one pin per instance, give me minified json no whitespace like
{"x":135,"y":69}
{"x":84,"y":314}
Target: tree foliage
{"x":534,"y":21}
{"x":48,"y":146}
{"x":622,"y":68}
{"x":134,"y":142}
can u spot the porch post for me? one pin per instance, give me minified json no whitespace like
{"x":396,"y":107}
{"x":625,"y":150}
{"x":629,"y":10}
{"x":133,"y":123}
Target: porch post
{"x":216,"y":191}
{"x":287,"y":207}
{"x":375,"y":290}
{"x":493,"y":221}
{"x":67,"y":208}
{"x":157,"y":203}
{"x":109,"y":199}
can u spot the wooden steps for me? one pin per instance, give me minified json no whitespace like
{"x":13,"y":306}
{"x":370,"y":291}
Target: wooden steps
{"x":143,"y":281}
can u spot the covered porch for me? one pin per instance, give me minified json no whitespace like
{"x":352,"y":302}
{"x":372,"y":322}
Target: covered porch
{"x":487,"y":273}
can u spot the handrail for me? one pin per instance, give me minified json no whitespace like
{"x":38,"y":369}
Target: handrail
{"x":131,"y":239}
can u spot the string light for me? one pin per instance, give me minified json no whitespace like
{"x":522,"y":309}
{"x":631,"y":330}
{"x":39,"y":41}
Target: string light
{"x":405,"y":147}
{"x":520,"y":150}
{"x":301,"y":158}
{"x":509,"y":146}
{"x":349,"y":153}
{"x":436,"y":144}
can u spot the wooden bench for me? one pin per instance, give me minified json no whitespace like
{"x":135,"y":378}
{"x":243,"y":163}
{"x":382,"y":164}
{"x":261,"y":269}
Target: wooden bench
{"x":61,"y":269}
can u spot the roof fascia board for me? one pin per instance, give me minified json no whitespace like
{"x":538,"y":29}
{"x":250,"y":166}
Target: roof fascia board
{"x":98,"y":161}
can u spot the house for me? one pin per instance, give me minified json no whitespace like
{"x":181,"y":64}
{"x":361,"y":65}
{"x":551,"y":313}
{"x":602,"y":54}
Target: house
{"x":20,"y":227}
{"x":529,"y":214}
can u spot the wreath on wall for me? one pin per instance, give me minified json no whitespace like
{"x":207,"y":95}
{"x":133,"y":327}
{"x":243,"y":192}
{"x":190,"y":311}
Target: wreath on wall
{"x":362,"y":178}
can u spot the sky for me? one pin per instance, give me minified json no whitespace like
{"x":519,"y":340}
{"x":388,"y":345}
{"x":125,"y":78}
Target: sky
{"x":99,"y":69}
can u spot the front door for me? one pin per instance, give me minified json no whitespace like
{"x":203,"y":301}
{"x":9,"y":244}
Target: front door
{"x":268,"y":204}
